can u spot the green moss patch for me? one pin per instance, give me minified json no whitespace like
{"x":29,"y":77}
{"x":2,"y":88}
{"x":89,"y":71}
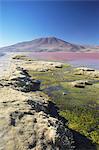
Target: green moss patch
{"x":78,"y":105}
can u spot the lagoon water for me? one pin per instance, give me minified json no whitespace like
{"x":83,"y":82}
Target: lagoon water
{"x":4,"y":63}
{"x":91,"y":63}
{"x":76,"y":59}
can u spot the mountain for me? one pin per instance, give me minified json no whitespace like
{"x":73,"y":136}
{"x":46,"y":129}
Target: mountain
{"x":44,"y":44}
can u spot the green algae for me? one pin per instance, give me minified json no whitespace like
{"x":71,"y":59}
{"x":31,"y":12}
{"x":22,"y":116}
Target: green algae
{"x":78,"y":105}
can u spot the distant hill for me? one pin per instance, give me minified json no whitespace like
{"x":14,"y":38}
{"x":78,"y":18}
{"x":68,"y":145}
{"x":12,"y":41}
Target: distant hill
{"x":45,"y":44}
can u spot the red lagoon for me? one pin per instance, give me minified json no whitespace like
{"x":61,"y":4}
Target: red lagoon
{"x":64,"y":56}
{"x":76,"y":59}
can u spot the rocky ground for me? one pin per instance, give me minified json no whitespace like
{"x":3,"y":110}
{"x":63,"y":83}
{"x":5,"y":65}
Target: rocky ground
{"x":28,"y":119}
{"x":87,"y":71}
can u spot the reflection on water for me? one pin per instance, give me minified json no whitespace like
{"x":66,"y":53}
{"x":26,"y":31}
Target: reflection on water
{"x":92,"y":63}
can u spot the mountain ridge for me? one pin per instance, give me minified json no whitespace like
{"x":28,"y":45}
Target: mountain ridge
{"x":43,"y":44}
{"x":46,"y":44}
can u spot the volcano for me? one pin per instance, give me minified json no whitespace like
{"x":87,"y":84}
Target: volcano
{"x":51,"y":44}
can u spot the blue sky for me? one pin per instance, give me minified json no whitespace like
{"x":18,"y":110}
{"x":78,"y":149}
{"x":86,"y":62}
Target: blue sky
{"x":73,"y":21}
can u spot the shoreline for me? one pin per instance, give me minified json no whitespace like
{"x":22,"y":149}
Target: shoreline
{"x":72,"y":58}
